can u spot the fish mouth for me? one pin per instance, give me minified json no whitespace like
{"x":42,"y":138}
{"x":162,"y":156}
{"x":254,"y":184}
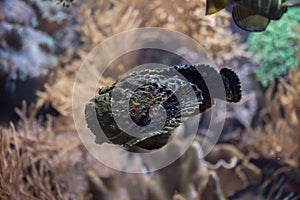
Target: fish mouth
{"x":91,"y":118}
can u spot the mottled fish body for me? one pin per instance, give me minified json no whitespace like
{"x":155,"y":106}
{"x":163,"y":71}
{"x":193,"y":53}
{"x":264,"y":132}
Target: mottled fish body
{"x":252,"y":15}
{"x":182,"y":90}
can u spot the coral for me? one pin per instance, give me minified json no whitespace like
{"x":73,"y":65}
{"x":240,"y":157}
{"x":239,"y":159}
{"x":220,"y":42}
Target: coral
{"x":101,"y":19}
{"x":274,"y":145}
{"x":39,"y":162}
{"x":57,"y":92}
{"x":27,"y":168}
{"x":65,"y":3}
{"x":98,"y":20}
{"x":32,"y":34}
{"x":24,"y":34}
{"x":230,"y":163}
{"x":275,"y":51}
{"x":46,"y":160}
{"x":193,"y":180}
{"x":51,"y":165}
{"x":19,"y":42}
{"x":278,"y":138}
{"x":188,"y":17}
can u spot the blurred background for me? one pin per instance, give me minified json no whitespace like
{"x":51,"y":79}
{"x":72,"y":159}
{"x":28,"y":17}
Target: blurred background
{"x":42,"y":45}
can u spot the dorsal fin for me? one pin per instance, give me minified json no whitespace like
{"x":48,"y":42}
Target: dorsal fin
{"x":249,"y":20}
{"x":213,"y":6}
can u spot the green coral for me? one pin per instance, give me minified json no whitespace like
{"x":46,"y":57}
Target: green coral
{"x":275,"y":50}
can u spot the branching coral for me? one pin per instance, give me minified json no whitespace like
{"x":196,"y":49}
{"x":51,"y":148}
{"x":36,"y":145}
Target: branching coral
{"x":279,"y":137}
{"x":26,"y":167}
{"x":275,"y":51}
{"x":57,"y":91}
{"x":98,"y":20}
{"x":110,"y":17}
{"x":38,"y":162}
{"x":188,"y":17}
{"x":45,"y":156}
{"x":193,"y":181}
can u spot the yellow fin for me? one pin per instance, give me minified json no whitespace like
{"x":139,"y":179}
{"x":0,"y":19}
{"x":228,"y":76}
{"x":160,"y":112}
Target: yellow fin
{"x":290,"y":3}
{"x":249,"y":20}
{"x":213,"y":6}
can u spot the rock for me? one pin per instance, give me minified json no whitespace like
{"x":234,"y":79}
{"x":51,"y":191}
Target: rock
{"x":27,"y":50}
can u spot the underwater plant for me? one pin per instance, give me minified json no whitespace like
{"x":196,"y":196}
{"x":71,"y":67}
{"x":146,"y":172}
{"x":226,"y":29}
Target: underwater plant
{"x":275,"y":51}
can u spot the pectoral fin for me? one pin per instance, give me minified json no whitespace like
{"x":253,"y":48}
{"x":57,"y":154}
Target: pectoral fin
{"x":249,"y":20}
{"x":213,"y":6}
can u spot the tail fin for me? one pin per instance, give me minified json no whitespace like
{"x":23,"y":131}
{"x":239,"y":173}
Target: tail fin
{"x":213,"y":6}
{"x":232,"y":85}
